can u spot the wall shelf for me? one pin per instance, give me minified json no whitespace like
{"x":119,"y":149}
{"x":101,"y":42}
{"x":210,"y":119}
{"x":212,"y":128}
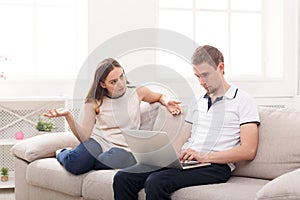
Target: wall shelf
{"x":9,"y":142}
{"x":21,"y":114}
{"x":8,"y":184}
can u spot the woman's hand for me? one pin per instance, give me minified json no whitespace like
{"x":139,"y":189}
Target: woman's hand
{"x":145,"y":94}
{"x":174,"y":107}
{"x":56,"y":113}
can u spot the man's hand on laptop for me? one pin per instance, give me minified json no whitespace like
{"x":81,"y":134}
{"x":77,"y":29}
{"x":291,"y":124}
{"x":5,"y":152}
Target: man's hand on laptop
{"x":188,"y":155}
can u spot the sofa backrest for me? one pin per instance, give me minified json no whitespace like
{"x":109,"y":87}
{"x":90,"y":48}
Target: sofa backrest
{"x":149,"y":114}
{"x":157,"y":118}
{"x":165,"y":121}
{"x":279,"y":145}
{"x":279,"y":139}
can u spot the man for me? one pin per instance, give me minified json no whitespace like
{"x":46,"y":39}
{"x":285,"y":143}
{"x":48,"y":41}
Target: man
{"x":221,"y":127}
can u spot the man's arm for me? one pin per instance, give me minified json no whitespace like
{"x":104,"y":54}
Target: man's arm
{"x":246,"y":151}
{"x":183,"y":136}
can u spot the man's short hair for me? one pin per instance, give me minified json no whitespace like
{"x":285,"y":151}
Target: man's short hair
{"x":207,"y":54}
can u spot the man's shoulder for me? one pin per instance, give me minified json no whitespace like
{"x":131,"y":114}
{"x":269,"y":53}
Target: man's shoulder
{"x":240,"y":93}
{"x":244,"y":96}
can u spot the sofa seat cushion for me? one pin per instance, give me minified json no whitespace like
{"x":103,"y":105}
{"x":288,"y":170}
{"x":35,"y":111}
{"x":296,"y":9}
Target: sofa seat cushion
{"x":48,"y":173}
{"x":236,"y":188}
{"x":97,"y":185}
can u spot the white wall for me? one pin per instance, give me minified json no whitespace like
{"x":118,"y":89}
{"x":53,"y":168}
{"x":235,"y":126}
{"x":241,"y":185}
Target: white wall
{"x":106,"y":18}
{"x":109,"y":19}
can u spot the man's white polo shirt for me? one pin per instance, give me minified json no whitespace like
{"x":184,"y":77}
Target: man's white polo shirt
{"x":216,"y":126}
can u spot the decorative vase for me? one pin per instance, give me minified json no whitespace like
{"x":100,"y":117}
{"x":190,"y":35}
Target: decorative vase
{"x":19,"y":135}
{"x":4,"y":178}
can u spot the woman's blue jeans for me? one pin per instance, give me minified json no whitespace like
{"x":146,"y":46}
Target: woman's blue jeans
{"x":89,"y":156}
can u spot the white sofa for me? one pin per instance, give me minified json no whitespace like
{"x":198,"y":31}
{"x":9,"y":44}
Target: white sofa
{"x":273,"y":174}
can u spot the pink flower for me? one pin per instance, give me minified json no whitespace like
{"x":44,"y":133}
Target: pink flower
{"x":2,"y":75}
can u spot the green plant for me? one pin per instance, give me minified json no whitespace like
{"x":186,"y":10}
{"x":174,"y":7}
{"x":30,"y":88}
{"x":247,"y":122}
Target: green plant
{"x":4,"y":171}
{"x":44,"y":125}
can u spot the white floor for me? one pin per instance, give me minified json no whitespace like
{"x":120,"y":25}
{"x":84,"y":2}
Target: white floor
{"x":7,"y":194}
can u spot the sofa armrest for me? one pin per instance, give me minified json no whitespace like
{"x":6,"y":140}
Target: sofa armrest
{"x":43,"y":146}
{"x":283,"y":187}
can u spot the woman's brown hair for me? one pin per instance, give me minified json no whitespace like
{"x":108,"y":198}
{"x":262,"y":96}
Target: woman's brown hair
{"x":96,"y":92}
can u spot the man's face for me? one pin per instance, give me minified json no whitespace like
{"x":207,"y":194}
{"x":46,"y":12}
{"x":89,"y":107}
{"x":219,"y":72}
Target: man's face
{"x":209,"y":77}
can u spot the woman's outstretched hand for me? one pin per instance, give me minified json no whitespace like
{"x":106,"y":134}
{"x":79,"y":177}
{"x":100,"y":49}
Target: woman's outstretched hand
{"x":174,"y":107}
{"x":56,"y":113}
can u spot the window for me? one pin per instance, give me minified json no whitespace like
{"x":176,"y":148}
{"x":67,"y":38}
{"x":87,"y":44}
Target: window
{"x":257,"y":37}
{"x":42,"y":38}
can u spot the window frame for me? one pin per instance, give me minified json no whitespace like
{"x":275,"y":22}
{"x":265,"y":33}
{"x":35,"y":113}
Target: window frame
{"x":264,"y":86}
{"x":80,"y":20}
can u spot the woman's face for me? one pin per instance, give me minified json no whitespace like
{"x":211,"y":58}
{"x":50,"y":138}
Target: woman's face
{"x":115,"y":82}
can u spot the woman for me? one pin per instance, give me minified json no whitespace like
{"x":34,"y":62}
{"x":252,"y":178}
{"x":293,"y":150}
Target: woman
{"x":110,"y":106}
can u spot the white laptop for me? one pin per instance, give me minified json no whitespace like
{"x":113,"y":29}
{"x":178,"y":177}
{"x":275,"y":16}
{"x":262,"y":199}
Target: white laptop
{"x":154,"y":148}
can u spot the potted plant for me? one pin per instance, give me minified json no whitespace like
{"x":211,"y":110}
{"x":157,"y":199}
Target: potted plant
{"x":4,"y":174}
{"x":44,"y":125}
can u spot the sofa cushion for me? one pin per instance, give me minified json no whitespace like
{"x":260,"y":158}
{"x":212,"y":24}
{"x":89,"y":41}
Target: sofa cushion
{"x":48,"y":173}
{"x":43,"y":146}
{"x":282,"y":188}
{"x":148,"y":115}
{"x":279,"y":145}
{"x":165,"y":121}
{"x":236,"y":188}
{"x":247,"y":188}
{"x":38,"y":193}
{"x":96,"y":181}
{"x":97,"y":185}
